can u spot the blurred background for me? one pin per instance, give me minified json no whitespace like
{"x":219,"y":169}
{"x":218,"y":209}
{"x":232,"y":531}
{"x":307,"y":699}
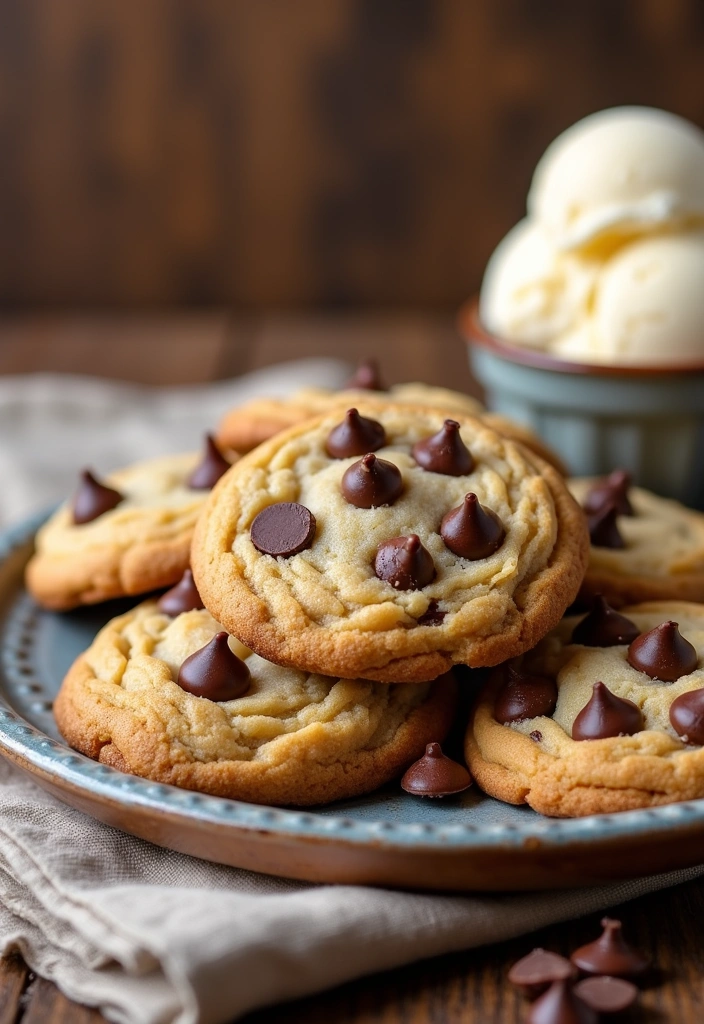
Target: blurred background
{"x":319,"y":155}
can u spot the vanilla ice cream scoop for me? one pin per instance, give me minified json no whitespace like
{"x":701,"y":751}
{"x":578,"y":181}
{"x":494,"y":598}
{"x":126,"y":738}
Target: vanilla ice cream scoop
{"x":601,"y":291}
{"x":649,"y":302}
{"x":619,"y":172}
{"x":531,"y":292}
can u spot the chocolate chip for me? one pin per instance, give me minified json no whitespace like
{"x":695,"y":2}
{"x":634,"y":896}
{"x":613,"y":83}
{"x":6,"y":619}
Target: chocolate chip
{"x":536,"y":736}
{"x":355,"y":436}
{"x":210,"y":468}
{"x":610,"y":954}
{"x":606,"y":715}
{"x":433,"y":615}
{"x":283,"y":529}
{"x":663,"y":653}
{"x":687,"y":716}
{"x":524,"y":695}
{"x":603,"y":528}
{"x":613,"y":489}
{"x":215,"y":672}
{"x":605,"y":994}
{"x":444,"y":452}
{"x":404,"y":563}
{"x":559,"y":1005}
{"x":366,"y":377}
{"x":184,"y":597}
{"x":604,"y":627}
{"x":436,"y":775}
{"x":92,"y":499}
{"x":537,"y":971}
{"x":471,"y":530}
{"x":372,"y":482}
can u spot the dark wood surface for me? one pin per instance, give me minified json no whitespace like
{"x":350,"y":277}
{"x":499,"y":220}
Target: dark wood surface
{"x":322,"y":151}
{"x":465,"y":988}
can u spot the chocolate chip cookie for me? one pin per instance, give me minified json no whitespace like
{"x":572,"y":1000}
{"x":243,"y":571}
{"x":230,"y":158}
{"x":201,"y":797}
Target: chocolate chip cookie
{"x":643,"y":547}
{"x":164,"y":693}
{"x":128,"y":534}
{"x":389,"y":545}
{"x":606,"y":714}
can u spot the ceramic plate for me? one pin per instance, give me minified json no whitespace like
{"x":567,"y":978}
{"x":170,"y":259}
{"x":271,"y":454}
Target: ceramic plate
{"x":388,"y":838}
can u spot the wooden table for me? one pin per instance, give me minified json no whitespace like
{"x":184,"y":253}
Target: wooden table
{"x":468,"y":987}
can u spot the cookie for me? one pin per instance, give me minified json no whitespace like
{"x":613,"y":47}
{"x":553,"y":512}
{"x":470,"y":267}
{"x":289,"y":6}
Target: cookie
{"x":127,"y":535}
{"x":265,"y":734}
{"x":393,"y":566}
{"x":644,"y":548}
{"x":575,"y":728}
{"x":250,"y":424}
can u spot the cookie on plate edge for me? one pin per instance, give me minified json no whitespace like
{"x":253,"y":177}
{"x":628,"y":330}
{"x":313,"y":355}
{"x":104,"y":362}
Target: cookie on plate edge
{"x":606,"y":714}
{"x":170,"y":697}
{"x":125,"y":535}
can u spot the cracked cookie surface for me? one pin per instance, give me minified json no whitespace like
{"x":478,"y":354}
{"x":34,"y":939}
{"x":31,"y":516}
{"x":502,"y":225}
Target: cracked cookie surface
{"x":536,"y":760}
{"x":140,"y":545}
{"x":291,"y":738}
{"x":324,"y":609}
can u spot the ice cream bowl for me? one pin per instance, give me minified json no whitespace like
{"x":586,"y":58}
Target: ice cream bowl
{"x":648,"y":420}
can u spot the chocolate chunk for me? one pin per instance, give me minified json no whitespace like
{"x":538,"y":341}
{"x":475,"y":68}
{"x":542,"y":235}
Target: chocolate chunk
{"x":436,"y":775}
{"x":372,"y":482}
{"x":444,"y":452}
{"x":613,"y":489}
{"x":663,"y":653}
{"x":92,"y":499}
{"x":610,"y":954}
{"x":606,"y":715}
{"x":687,"y":716}
{"x":210,"y":468}
{"x":215,"y":672}
{"x":432,"y":616}
{"x":605,"y":994}
{"x":524,"y":695}
{"x":559,"y":1005}
{"x":471,"y":530}
{"x":283,"y":529}
{"x":355,"y":436}
{"x":184,"y":597}
{"x":603,"y":528}
{"x":536,"y":736}
{"x":366,"y":377}
{"x":537,"y":971}
{"x":604,"y":627}
{"x":404,"y":563}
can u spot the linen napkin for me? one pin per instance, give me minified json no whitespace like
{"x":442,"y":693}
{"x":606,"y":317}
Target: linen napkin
{"x":156,"y":937}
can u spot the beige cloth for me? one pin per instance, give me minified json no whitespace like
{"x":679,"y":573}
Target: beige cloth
{"x":155,"y":937}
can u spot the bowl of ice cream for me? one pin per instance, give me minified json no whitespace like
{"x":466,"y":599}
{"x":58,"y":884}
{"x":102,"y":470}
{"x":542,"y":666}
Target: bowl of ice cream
{"x":590,"y":323}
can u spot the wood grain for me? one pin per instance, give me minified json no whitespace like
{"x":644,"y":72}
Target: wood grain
{"x":157,"y":349}
{"x":44,"y":1004}
{"x":336,"y":152}
{"x":14,"y":976}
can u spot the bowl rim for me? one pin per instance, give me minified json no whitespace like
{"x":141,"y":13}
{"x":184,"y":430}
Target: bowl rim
{"x":474,"y":333}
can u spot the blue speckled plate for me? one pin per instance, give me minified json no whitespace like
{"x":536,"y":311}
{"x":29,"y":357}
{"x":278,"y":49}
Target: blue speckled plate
{"x":388,"y":838}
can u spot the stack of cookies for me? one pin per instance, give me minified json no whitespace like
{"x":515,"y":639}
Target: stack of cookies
{"x":326,"y":583}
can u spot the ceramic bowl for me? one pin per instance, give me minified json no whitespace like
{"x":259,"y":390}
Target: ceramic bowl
{"x":648,"y":420}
